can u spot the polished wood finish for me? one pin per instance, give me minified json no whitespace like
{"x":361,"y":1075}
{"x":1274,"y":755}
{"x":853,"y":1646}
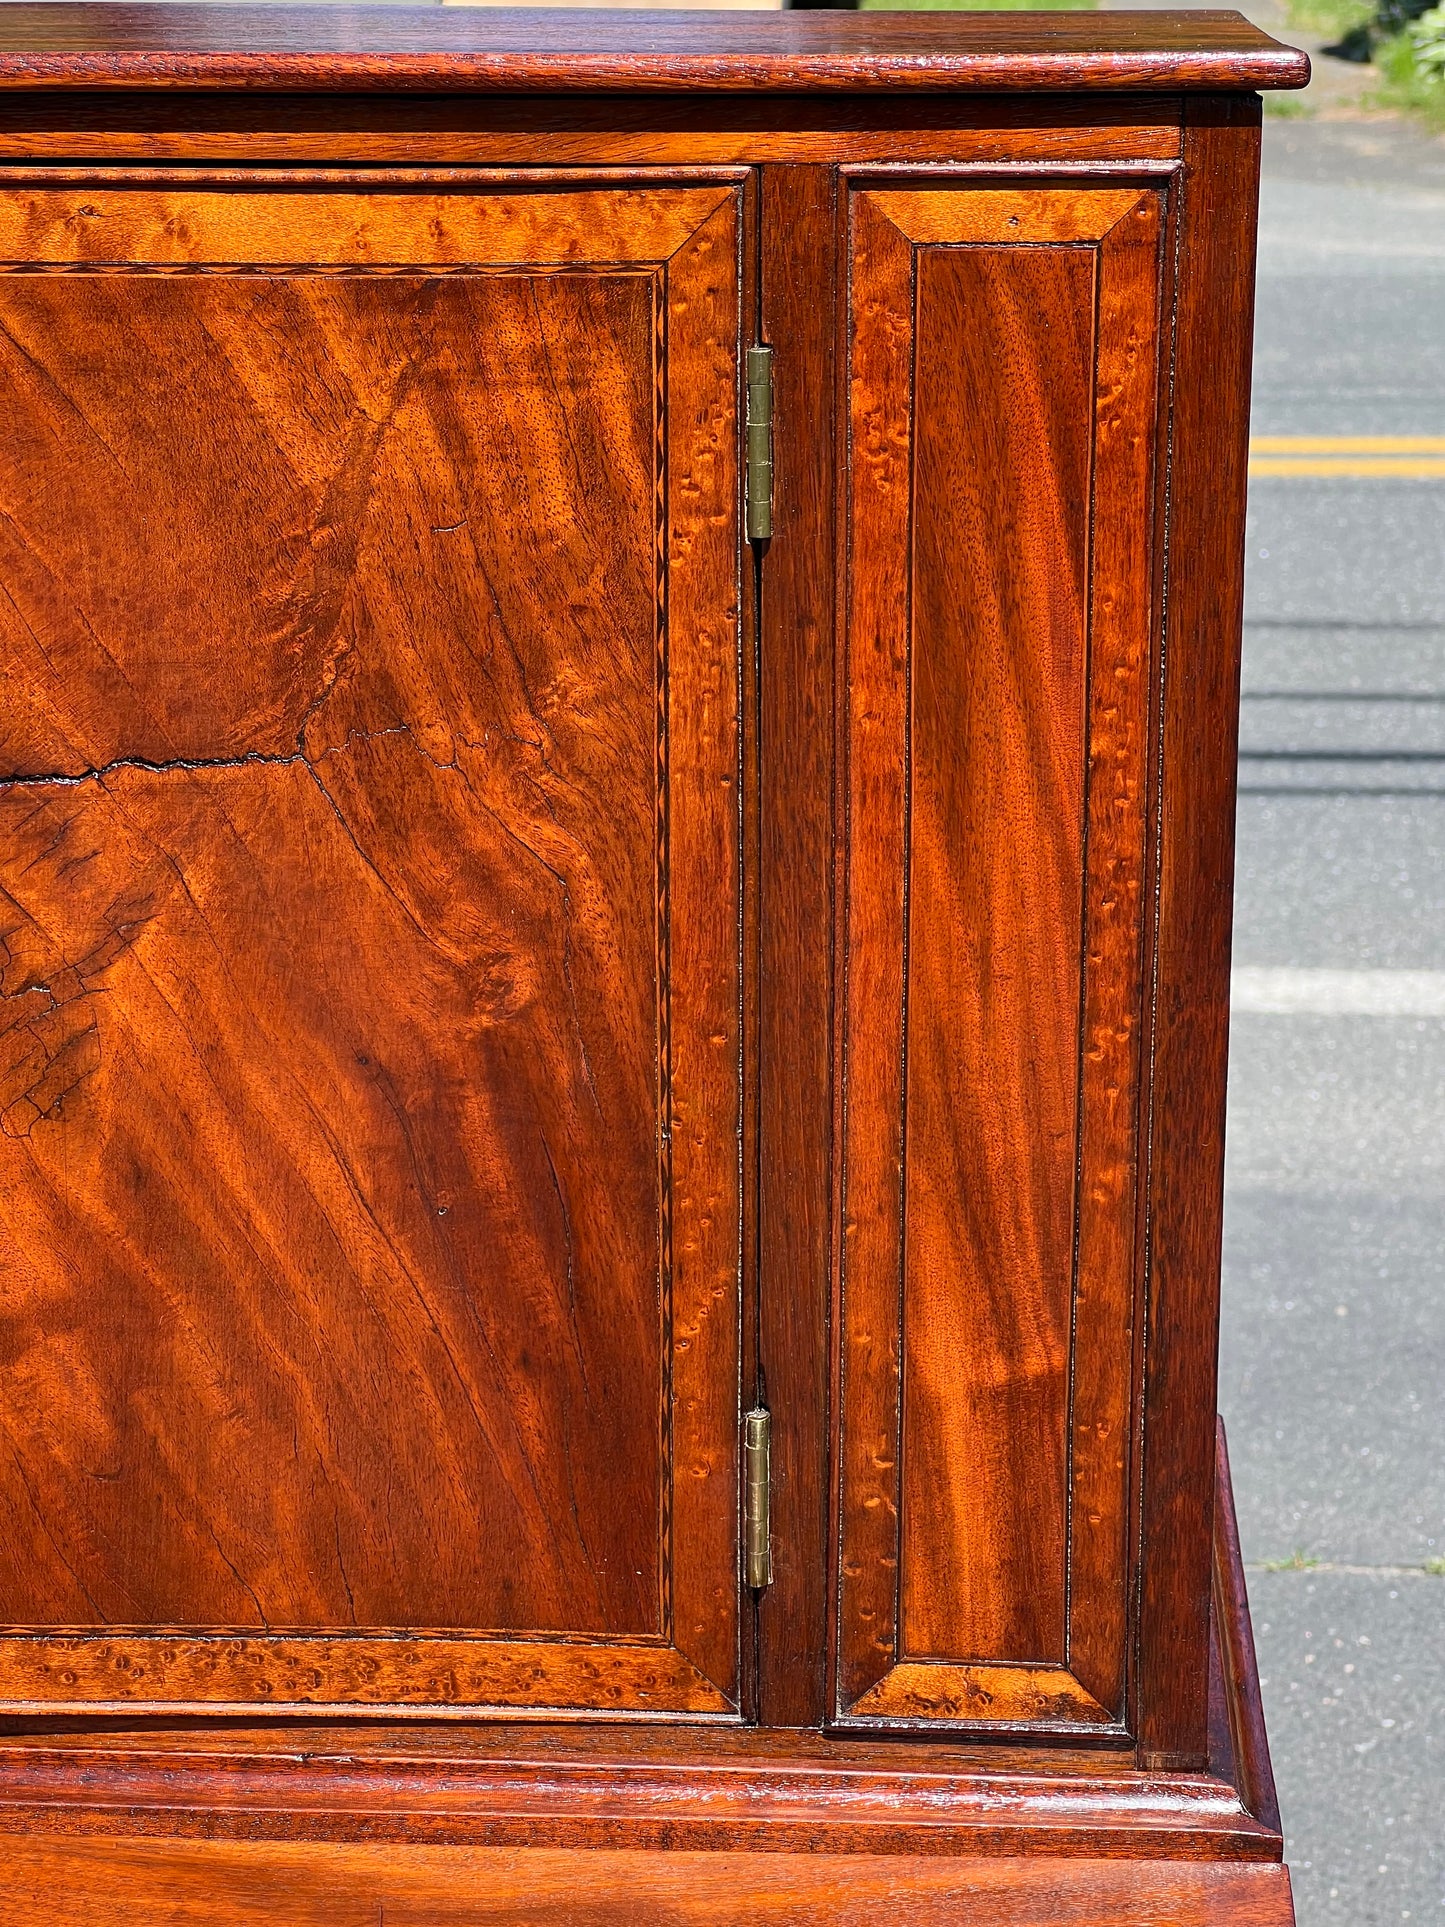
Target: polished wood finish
{"x":500,"y":976}
{"x":556,"y":129}
{"x":1002,"y":477}
{"x":466,"y":1305}
{"x":110,"y":1883}
{"x":1234,"y":1670}
{"x":799,"y":276}
{"x":1189,"y":1046}
{"x":726,"y":1789}
{"x":403,"y":48}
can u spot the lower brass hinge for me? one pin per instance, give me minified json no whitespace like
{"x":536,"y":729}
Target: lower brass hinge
{"x":757,"y":1497}
{"x":760,"y":444}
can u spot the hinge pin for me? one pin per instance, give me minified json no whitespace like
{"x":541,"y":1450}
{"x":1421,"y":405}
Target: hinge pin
{"x":760,"y":444}
{"x":757,"y":1497}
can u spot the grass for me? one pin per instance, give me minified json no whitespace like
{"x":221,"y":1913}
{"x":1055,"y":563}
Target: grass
{"x":1404,"y":85}
{"x":1332,"y":17}
{"x":981,"y":6}
{"x":1301,"y":1561}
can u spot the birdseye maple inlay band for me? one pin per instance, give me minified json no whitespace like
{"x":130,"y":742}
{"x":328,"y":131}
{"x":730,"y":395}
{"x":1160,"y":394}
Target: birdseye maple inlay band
{"x":370,"y":857}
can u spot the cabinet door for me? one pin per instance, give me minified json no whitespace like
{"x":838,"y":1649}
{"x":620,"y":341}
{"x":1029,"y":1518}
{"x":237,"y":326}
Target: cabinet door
{"x":1002,"y":393}
{"x":369,"y":1195}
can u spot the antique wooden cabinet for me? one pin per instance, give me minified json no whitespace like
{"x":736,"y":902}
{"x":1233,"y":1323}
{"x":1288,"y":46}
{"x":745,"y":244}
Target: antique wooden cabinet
{"x":619,"y":642}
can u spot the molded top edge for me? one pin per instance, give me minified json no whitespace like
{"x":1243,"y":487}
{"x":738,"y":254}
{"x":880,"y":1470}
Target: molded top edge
{"x":503,"y":50}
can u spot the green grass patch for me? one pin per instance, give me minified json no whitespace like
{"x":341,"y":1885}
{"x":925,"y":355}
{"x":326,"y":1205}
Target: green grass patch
{"x":1333,"y":18}
{"x":1435,"y":1568}
{"x":980,"y":6}
{"x":1405,"y":83}
{"x":1298,"y":1561}
{"x":1409,"y":67}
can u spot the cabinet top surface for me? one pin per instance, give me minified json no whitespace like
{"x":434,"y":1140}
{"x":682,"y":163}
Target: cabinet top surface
{"x":427,"y":49}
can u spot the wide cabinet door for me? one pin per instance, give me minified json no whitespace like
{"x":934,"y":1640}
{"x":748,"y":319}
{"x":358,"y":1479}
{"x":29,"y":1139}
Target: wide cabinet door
{"x":369,"y":1185}
{"x":1001,"y":400}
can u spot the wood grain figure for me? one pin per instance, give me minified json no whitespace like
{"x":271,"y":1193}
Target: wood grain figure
{"x":510,"y":983}
{"x":996,"y":838}
{"x":352,"y":949}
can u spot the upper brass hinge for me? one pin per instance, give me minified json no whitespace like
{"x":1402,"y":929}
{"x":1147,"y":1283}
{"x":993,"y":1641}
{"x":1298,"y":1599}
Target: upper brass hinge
{"x":760,"y":444}
{"x":758,"y":1497}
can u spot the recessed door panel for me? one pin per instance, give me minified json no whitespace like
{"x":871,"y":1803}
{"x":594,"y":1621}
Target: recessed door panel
{"x":1002,"y":395}
{"x":369,"y":613}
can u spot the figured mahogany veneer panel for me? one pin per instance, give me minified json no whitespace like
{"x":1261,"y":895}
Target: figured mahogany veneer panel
{"x":1002,"y":400}
{"x":995,"y":872}
{"x":370,"y":1054}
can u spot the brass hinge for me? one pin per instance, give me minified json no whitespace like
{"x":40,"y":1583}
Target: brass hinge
{"x":757,"y":1497}
{"x":760,"y":444}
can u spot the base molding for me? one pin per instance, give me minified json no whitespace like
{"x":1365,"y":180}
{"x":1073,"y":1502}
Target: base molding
{"x":724,"y":1801}
{"x":335,"y":1821}
{"x":133,"y":1883}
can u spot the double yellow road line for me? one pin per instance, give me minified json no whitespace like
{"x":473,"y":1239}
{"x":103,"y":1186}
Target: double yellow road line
{"x":1406,"y":458}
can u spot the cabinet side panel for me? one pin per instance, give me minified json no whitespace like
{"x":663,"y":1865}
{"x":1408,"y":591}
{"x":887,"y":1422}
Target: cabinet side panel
{"x":1208,"y":440}
{"x":1003,"y":425}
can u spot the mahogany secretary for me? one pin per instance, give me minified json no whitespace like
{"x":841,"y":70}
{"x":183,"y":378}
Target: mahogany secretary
{"x":569,"y":885}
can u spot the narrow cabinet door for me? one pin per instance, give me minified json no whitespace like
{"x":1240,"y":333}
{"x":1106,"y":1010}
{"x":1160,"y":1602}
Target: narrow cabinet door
{"x":369,"y":1193}
{"x":1002,"y":388}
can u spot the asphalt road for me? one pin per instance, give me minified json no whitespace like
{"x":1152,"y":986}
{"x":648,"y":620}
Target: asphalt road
{"x":1333,"y":1350}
